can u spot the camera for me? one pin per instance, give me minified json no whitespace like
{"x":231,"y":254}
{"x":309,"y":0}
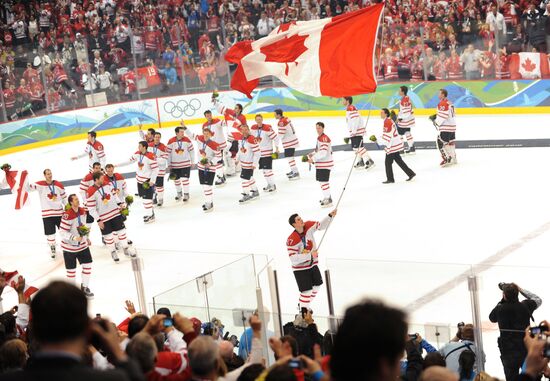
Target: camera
{"x":538,"y":330}
{"x":501,"y":285}
{"x":413,"y":336}
{"x":167,"y":322}
{"x":296,"y":363}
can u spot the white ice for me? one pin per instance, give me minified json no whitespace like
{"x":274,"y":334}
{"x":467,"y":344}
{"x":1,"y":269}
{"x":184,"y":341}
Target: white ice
{"x":395,"y":242}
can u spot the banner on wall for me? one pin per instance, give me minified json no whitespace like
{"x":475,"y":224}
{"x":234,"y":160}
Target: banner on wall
{"x":473,"y":94}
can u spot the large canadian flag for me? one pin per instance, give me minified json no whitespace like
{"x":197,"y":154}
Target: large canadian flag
{"x":332,"y":56}
{"x":17,"y":182}
{"x":529,"y":65}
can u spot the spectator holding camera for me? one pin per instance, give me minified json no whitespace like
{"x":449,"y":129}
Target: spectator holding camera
{"x":513,"y":317}
{"x":453,"y":350}
{"x":62,"y":331}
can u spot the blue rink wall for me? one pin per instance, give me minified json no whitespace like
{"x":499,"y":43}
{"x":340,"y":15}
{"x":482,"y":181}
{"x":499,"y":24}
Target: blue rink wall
{"x":470,"y":97}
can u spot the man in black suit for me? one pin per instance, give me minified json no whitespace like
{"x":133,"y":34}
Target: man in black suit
{"x":62,"y":331}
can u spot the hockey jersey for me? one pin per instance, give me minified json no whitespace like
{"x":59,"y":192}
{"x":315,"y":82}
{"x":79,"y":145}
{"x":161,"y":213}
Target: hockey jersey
{"x":210,"y":150}
{"x":230,"y":115}
{"x":70,"y":222}
{"x":323,"y":153}
{"x":406,"y":113}
{"x":390,"y":137}
{"x":161,"y":154}
{"x":181,"y":153}
{"x":148,"y":168}
{"x":355,"y":123}
{"x":86,"y":183}
{"x":103,"y":202}
{"x":95,"y":153}
{"x":445,"y":119}
{"x":265,"y":137}
{"x":52,"y":198}
{"x":287,"y":134}
{"x":249,"y":152}
{"x":300,"y":245}
{"x":216,"y":126}
{"x":118,"y":183}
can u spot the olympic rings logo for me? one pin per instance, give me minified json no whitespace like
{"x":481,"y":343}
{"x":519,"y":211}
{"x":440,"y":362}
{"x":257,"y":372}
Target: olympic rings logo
{"x":182,"y":107}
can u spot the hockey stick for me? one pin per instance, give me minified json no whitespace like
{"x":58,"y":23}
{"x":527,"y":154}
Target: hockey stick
{"x":372,"y":97}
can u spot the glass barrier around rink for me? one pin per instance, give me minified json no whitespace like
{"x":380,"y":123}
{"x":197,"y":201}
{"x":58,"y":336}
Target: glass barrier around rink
{"x":231,"y":287}
{"x":432,"y":293}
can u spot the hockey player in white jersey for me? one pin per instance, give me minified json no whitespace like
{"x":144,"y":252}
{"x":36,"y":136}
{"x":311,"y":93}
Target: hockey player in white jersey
{"x":405,"y":120}
{"x":266,"y":139}
{"x":290,"y":142}
{"x":356,"y":128}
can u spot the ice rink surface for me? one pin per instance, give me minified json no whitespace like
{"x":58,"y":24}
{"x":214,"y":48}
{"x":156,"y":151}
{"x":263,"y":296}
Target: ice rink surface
{"x":410,"y":244}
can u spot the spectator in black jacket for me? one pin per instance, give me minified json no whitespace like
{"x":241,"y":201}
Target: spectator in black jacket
{"x":62,"y":329}
{"x":304,"y":330}
{"x":513,"y":317}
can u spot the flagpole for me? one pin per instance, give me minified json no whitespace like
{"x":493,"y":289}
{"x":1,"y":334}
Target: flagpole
{"x":371,"y":101}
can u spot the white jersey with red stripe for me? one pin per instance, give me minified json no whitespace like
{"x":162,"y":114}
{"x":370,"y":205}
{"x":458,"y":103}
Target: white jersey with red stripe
{"x":161,"y":155}
{"x":95,"y":153}
{"x":445,"y":119}
{"x":231,"y":117}
{"x":181,"y":153}
{"x":85,"y":183}
{"x":118,"y":183}
{"x":287,"y":134}
{"x":356,"y":126}
{"x":300,"y":246}
{"x":265,"y":137}
{"x":52,"y":197}
{"x":70,"y":222}
{"x":390,"y":137}
{"x":323,"y":153}
{"x":103,"y":202}
{"x":216,"y":126}
{"x":209,"y":150}
{"x":148,"y":168}
{"x":249,"y":152}
{"x":406,"y":114}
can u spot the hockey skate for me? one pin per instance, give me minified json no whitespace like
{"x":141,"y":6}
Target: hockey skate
{"x":207,"y":207}
{"x":410,"y":151}
{"x":178,"y":196}
{"x":245,"y":198}
{"x":445,"y":162}
{"x":360,"y":163}
{"x":289,"y":173}
{"x":87,"y":291}
{"x":186,"y":197}
{"x":129,"y":252}
{"x":114,"y":255}
{"x":270,"y":188}
{"x":293,"y":176}
{"x":149,"y":219}
{"x":254,"y":194}
{"x":53,"y":251}
{"x":326,"y":202}
{"x":220,"y":182}
{"x":369,"y":164}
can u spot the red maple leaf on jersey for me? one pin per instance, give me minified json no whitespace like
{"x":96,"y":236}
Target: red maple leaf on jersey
{"x":286,"y":50}
{"x":528,"y":65}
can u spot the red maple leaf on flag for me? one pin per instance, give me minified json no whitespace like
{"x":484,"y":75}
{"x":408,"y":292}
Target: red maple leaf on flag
{"x":284,"y":27}
{"x":286,"y":50}
{"x":528,"y":65}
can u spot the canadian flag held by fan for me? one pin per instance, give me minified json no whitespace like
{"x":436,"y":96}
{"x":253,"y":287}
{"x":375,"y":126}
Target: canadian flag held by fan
{"x":529,"y":65}
{"x":17,"y":182}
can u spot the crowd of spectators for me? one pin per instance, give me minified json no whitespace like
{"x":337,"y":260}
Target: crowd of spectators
{"x":52,"y":53}
{"x":53,"y":338}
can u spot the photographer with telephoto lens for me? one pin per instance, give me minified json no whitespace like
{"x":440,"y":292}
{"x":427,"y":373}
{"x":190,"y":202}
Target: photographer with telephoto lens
{"x":513,"y":317}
